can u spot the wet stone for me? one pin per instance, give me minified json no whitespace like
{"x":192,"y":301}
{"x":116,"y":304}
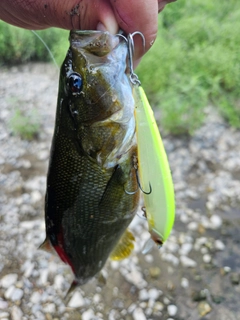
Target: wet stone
{"x":77,"y":300}
{"x":172,"y":310}
{"x":184,"y":283}
{"x":217,"y":299}
{"x":235,"y":278}
{"x":4,"y":315}
{"x":154,"y":272}
{"x":187,"y":262}
{"x":204,"y":308}
{"x":8,"y":280}
{"x":16,"y":313}
{"x":88,"y":315}
{"x":138,"y":314}
{"x":199,"y":295}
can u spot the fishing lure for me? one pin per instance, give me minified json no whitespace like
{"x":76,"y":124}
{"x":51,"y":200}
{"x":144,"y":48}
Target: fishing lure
{"x":154,"y":171}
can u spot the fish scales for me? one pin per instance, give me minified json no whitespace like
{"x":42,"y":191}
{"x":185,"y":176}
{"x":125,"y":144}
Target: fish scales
{"x":92,"y":192}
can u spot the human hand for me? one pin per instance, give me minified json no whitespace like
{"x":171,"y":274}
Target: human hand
{"x":111,"y":15}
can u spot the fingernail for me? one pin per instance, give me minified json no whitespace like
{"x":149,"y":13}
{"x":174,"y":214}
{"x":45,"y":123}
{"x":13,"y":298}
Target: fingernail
{"x":101,"y":27}
{"x":109,"y":24}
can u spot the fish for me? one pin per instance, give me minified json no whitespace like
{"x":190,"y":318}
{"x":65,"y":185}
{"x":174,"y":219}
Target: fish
{"x":92,"y":190}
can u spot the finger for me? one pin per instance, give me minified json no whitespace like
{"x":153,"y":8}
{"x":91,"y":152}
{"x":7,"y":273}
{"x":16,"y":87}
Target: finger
{"x":89,"y":15}
{"x":140,"y":15}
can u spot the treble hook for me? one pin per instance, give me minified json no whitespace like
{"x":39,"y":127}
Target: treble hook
{"x":139,"y":184}
{"x":133,"y":77}
{"x":135,"y":165}
{"x":130,"y":43}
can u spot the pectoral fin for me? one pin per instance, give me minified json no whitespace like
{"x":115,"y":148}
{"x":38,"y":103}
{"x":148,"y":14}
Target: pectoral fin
{"x":124,"y":246}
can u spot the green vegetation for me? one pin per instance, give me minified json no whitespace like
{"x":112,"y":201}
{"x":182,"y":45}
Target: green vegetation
{"x":25,"y":125}
{"x":19,"y":45}
{"x":194,"y":62}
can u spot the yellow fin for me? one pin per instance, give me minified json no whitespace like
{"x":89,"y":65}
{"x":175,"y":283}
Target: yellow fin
{"x":124,"y":246}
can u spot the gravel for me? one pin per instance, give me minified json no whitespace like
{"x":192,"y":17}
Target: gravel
{"x":202,"y":253}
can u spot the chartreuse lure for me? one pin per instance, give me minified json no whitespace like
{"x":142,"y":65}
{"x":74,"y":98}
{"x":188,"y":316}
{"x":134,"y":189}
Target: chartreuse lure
{"x":154,"y":172}
{"x":155,"y":178}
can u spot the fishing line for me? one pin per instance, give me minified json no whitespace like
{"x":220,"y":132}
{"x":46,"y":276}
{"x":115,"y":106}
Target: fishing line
{"x":46,"y":46}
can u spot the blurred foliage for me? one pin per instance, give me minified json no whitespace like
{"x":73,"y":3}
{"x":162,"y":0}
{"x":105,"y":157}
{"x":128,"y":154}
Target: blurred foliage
{"x":25,"y":125}
{"x":18,"y":45}
{"x":194,"y":62}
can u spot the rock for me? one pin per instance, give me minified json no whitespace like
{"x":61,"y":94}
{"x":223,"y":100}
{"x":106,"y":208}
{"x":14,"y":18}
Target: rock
{"x":97,"y":298}
{"x":172,"y":310}
{"x":199,"y":295}
{"x":158,"y":306}
{"x":184,"y":283}
{"x":149,"y":258}
{"x":17,"y":294}
{"x":35,"y":297}
{"x":28,"y":268}
{"x":217,"y":299}
{"x":8,"y":292}
{"x":170,"y":258}
{"x":166,"y":300}
{"x":193,"y":226}
{"x":154,"y":294}
{"x":132,"y":307}
{"x":219,"y":245}
{"x":16,"y":313}
{"x":88,"y":315}
{"x":43,"y":277}
{"x":216,"y":221}
{"x":154,"y":272}
{"x":225,"y":270}
{"x":36,"y":196}
{"x":185,"y":249}
{"x":49,"y":308}
{"x":143,"y":295}
{"x":59,"y":282}
{"x":135,"y":277}
{"x":235,"y":278}
{"x":204,"y":308}
{"x":187,"y":262}
{"x":77,"y":300}
{"x":8,"y":280}
{"x":138,"y":314}
{"x":43,"y":155}
{"x":3,"y":304}
{"x":13,"y":293}
{"x":207,"y":258}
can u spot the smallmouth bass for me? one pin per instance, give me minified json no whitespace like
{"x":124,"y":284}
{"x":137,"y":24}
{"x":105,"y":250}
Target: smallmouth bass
{"x":92,"y":191}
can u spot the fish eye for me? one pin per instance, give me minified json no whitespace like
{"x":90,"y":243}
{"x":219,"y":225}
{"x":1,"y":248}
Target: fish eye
{"x":75,"y":83}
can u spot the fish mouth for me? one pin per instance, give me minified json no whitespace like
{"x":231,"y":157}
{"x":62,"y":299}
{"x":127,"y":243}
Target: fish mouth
{"x":99,"y":43}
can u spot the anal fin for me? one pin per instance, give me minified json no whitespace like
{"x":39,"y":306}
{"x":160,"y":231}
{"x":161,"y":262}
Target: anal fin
{"x":47,"y":246}
{"x":124,"y":246}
